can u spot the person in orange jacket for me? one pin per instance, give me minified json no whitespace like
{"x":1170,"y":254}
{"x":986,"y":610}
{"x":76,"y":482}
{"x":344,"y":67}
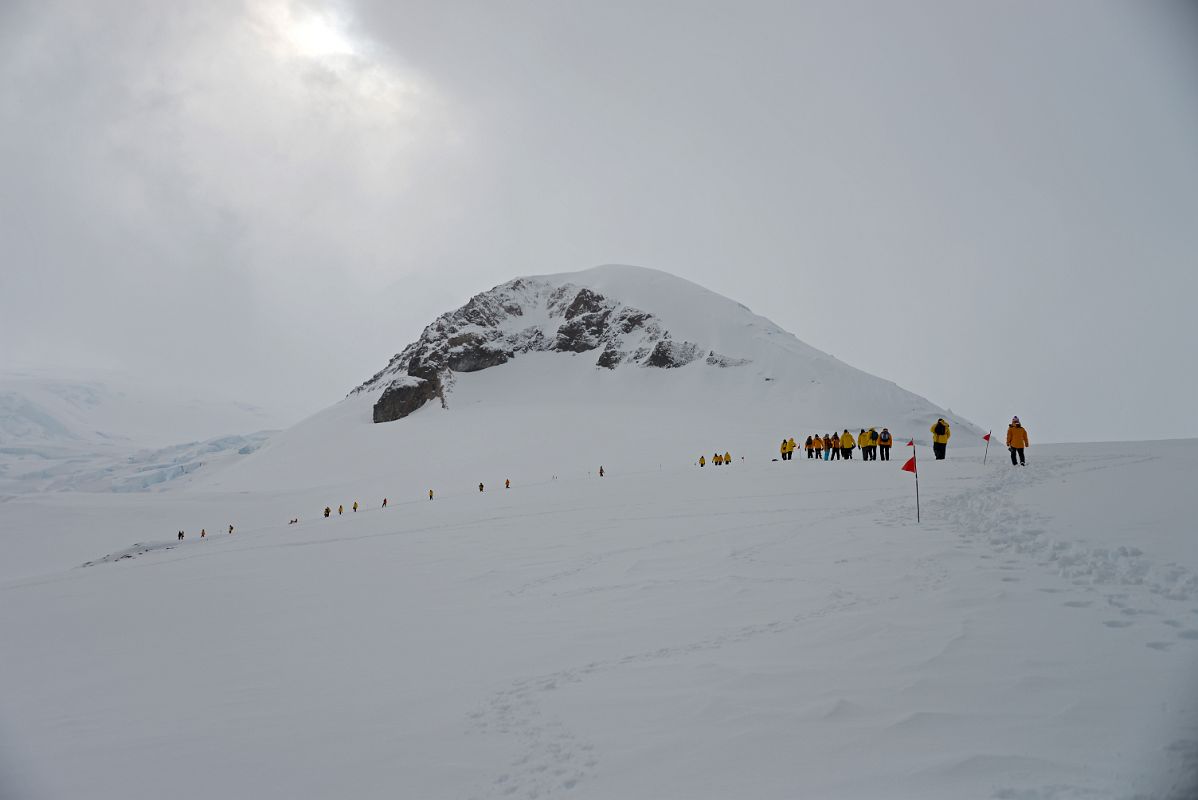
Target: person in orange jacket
{"x":1016,"y":441}
{"x":727,"y":458}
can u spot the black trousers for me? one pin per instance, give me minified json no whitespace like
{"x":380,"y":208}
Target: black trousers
{"x":810,"y":453}
{"x":847,"y":452}
{"x":1019,"y":451}
{"x":939,"y":449}
{"x":885,"y":451}
{"x":835,"y":454}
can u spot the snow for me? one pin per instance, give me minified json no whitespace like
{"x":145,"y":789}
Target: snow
{"x":97,"y":430}
{"x":767,"y":629}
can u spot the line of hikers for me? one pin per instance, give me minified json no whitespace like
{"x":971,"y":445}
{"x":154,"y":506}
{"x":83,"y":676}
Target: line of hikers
{"x":717,"y":460}
{"x":833,"y":446}
{"x":203,"y":533}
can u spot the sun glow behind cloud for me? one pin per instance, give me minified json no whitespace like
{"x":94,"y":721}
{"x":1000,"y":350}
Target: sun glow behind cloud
{"x":306,"y":32}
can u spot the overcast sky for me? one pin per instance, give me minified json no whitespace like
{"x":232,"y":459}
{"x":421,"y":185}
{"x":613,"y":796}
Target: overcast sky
{"x":993,"y":204}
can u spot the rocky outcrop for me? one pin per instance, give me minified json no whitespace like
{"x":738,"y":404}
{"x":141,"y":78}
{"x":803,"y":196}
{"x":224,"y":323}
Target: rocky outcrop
{"x":402,"y":397}
{"x":523,"y":316}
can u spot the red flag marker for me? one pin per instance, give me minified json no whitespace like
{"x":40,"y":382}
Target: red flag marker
{"x":987,"y":453}
{"x":987,"y":436}
{"x":912,"y":466}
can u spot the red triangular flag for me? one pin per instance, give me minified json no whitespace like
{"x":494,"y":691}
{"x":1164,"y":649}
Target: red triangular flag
{"x":910,"y":465}
{"x":987,"y":437}
{"x":911,"y":443}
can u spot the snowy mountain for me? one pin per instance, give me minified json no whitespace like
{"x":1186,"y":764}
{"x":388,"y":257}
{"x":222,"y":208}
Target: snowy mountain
{"x":106,"y":431}
{"x":614,"y":365}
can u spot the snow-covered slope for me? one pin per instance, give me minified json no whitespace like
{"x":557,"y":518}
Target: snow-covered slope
{"x":616,"y":365}
{"x":765,"y":630}
{"x":102,"y":431}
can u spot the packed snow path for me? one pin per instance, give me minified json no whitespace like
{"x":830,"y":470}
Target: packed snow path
{"x":766,"y":630}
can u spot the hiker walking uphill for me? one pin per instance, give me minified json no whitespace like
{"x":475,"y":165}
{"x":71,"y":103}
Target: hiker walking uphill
{"x":885,"y":440}
{"x":702,"y":461}
{"x":817,"y":445}
{"x":832,"y":447}
{"x":940,"y":435}
{"x":873,"y":444}
{"x":1016,"y":441}
{"x":809,"y":448}
{"x":327,"y":511}
{"x":846,"y":445}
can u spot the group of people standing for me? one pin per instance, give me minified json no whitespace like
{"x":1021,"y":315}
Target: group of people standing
{"x":836,"y":446}
{"x":717,"y":460}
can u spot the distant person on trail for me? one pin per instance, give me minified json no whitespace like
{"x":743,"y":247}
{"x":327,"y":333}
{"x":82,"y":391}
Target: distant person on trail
{"x":783,"y":450}
{"x":940,"y":435}
{"x":430,"y":494}
{"x":601,"y":472}
{"x":180,"y":535}
{"x":230,"y":530}
{"x":817,"y":442}
{"x":507,"y":483}
{"x":727,"y":458}
{"x":885,"y":440}
{"x":340,"y":510}
{"x":1016,"y":441}
{"x":835,"y":446}
{"x":480,"y":487}
{"x":808,"y":447}
{"x":327,"y":511}
{"x":203,"y":533}
{"x":847,"y":443}
{"x":716,"y":460}
{"x":355,"y":506}
{"x":384,"y":502}
{"x":702,"y":461}
{"x":873,"y":444}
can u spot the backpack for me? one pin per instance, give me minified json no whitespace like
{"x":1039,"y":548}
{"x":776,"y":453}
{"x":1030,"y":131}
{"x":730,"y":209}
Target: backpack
{"x":939,"y":429}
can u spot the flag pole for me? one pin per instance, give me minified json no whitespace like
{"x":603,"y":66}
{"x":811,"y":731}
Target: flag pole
{"x":914,"y":456}
{"x":987,"y":453}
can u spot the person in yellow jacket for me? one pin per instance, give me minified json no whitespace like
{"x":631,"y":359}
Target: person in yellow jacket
{"x":727,"y":458}
{"x":783,"y":449}
{"x":940,"y":436}
{"x":847,"y":443}
{"x":1016,"y":441}
{"x":340,"y":510}
{"x":702,"y":461}
{"x":872,"y":435}
{"x":817,"y":446}
{"x":790,"y":449}
{"x":355,"y":506}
